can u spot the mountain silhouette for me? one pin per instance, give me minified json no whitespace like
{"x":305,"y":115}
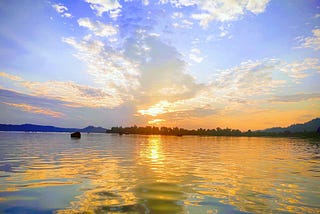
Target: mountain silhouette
{"x":40,"y":128}
{"x":309,"y":126}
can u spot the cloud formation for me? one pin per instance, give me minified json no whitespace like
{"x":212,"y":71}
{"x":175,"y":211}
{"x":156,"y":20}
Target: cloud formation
{"x":295,"y":97}
{"x":312,"y":42}
{"x":223,"y":10}
{"x":98,"y":28}
{"x":102,"y":6}
{"x":299,"y":70}
{"x":236,"y":87}
{"x":156,"y":121}
{"x":69,"y":93}
{"x":60,"y":8}
{"x":35,"y":109}
{"x":10,"y":76}
{"x":112,"y":72}
{"x":72,"y":94}
{"x":195,"y":55}
{"x":159,"y":61}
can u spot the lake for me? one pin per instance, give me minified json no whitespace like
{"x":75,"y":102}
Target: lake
{"x":105,"y":173}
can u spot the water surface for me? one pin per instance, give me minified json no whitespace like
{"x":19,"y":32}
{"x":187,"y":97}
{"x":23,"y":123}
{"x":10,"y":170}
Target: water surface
{"x":104,"y":173}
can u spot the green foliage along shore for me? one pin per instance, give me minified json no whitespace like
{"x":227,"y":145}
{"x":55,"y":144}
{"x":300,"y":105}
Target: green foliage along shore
{"x":152,"y":130}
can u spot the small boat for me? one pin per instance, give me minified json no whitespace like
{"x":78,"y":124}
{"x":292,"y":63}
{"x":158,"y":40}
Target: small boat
{"x":76,"y":135}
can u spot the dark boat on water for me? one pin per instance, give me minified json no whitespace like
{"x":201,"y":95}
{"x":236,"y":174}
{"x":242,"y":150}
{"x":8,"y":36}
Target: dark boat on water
{"x":76,"y":135}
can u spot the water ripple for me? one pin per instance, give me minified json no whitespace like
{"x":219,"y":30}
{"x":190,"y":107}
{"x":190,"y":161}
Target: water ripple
{"x":101,"y":173}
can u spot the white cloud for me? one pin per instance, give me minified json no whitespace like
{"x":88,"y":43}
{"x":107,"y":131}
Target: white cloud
{"x":231,"y":89}
{"x":114,"y":13}
{"x":257,"y":6}
{"x":186,"y":24}
{"x":176,"y":15}
{"x":154,"y":34}
{"x":110,"y":70}
{"x":300,"y":70}
{"x":197,"y":59}
{"x":115,"y":78}
{"x":224,"y":30}
{"x":98,"y":28}
{"x":163,"y":72}
{"x":312,"y":41}
{"x":195,"y":55}
{"x":68,"y":15}
{"x":74,"y":95}
{"x":317,"y":15}
{"x":203,"y":18}
{"x":102,"y":6}
{"x":69,"y":93}
{"x":60,"y":8}
{"x":220,"y":10}
{"x":180,"y":3}
{"x":145,"y":2}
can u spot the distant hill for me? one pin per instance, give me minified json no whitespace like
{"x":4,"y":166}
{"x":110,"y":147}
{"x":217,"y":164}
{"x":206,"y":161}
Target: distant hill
{"x":40,"y":128}
{"x":93,"y":129}
{"x":309,"y":126}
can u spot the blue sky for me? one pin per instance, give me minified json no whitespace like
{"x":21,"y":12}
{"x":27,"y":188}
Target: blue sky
{"x":188,"y":63}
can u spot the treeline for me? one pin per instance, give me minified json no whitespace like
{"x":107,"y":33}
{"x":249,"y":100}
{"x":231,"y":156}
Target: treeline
{"x":153,"y":130}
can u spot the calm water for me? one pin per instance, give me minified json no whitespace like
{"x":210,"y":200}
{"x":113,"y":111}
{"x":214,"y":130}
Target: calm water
{"x":103,"y":173}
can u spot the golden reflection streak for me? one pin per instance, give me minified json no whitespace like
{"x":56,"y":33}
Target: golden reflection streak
{"x":153,"y":150}
{"x":251,"y":181}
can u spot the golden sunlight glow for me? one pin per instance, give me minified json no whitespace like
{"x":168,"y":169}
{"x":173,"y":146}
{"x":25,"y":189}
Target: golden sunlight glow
{"x":153,"y":151}
{"x":156,"y":121}
{"x":159,"y":108}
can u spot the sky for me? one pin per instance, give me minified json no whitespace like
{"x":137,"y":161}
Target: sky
{"x":243,"y":64}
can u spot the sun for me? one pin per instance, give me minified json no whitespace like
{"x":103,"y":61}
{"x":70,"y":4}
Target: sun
{"x":159,"y":108}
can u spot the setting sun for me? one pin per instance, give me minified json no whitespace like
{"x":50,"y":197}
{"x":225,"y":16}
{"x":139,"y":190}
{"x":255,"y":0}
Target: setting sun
{"x":159,"y":106}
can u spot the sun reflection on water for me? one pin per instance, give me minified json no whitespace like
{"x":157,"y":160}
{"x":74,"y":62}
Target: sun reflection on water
{"x":152,"y":151}
{"x":160,"y":174}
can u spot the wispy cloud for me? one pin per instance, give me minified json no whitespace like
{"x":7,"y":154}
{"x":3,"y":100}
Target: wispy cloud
{"x":195,"y":55}
{"x":224,"y":10}
{"x":156,"y":121}
{"x":60,"y":8}
{"x":299,"y":70}
{"x":10,"y":76}
{"x":98,"y":28}
{"x":102,"y":6}
{"x":112,"y":72}
{"x":312,"y":42}
{"x":232,"y":88}
{"x":72,"y":94}
{"x":295,"y":97}
{"x":35,"y":110}
{"x":239,"y":87}
{"x":185,"y":24}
